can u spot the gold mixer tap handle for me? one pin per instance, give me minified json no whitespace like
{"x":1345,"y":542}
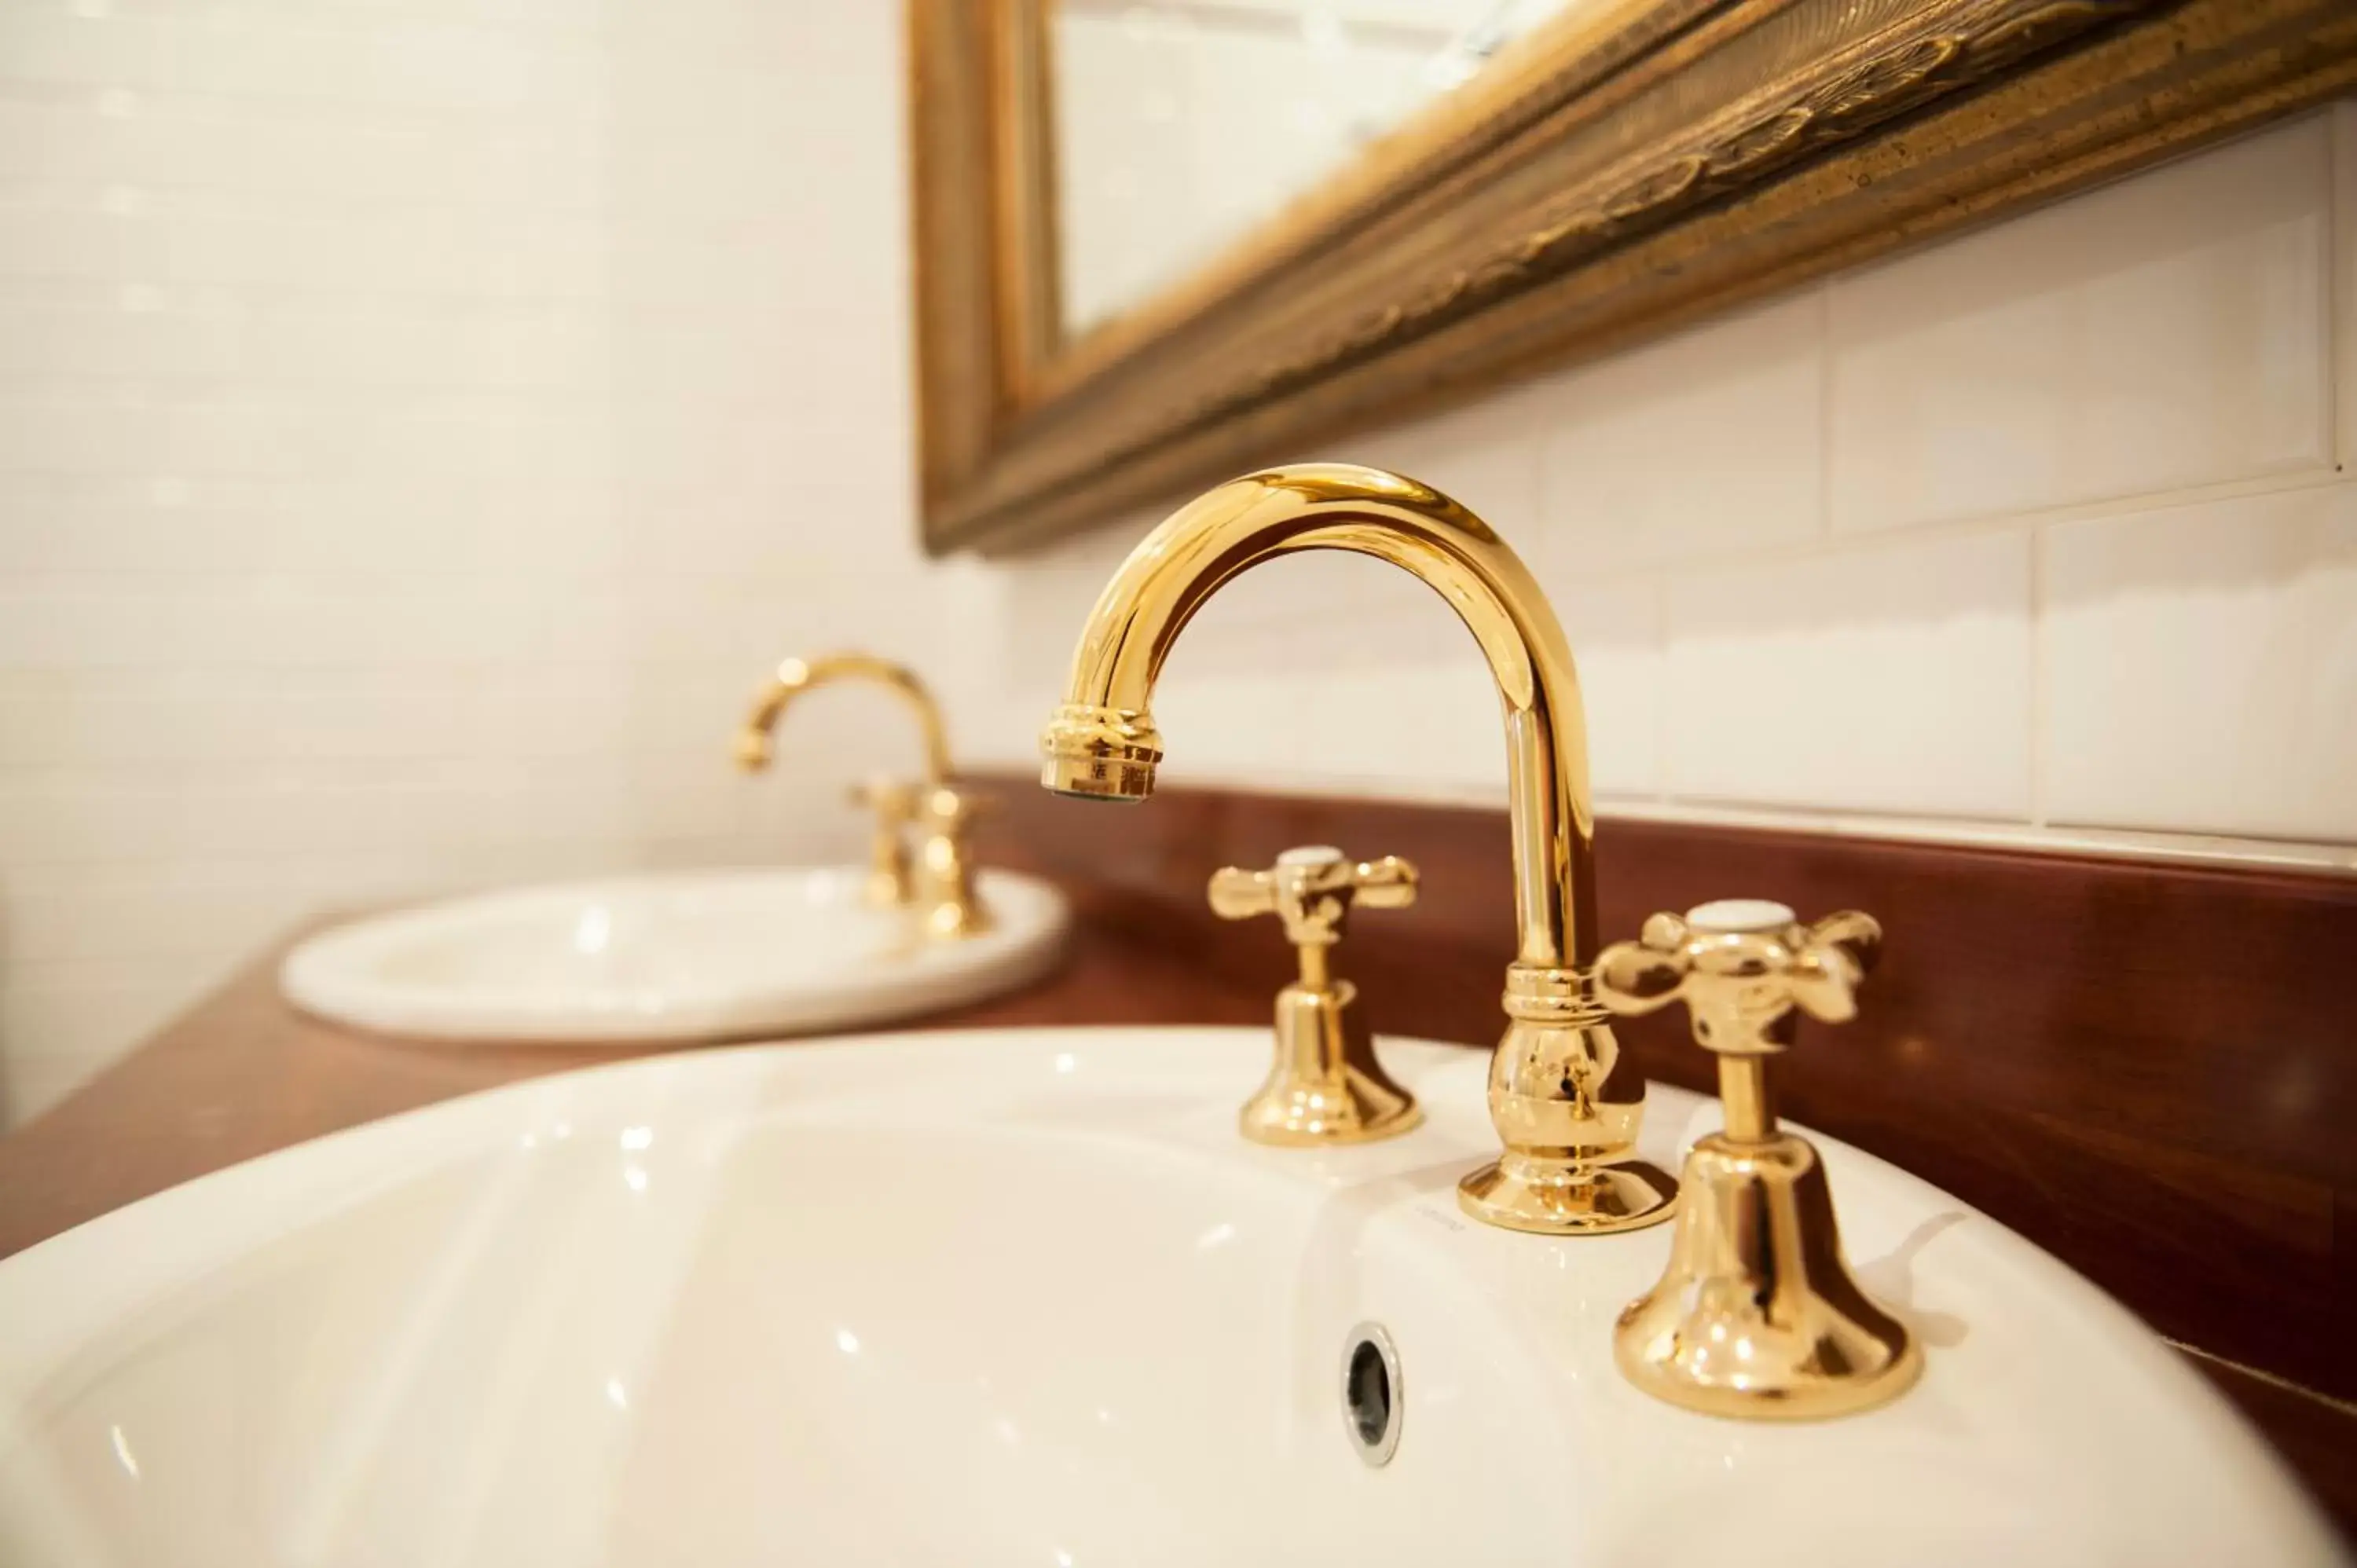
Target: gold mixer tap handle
{"x":1756,"y":1261}
{"x":1311,"y":890}
{"x":893,"y":800}
{"x":1745,"y":969}
{"x":951,"y":807}
{"x":894,"y":803}
{"x":945,"y":883}
{"x":1325,"y":1084}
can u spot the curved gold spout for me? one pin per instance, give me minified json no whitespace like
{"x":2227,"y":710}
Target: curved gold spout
{"x":796,"y":676}
{"x":1568,"y":1120}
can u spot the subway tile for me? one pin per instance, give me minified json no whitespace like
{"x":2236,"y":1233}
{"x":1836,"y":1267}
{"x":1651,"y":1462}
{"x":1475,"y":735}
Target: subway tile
{"x":266,"y":622}
{"x":298,"y":158}
{"x":94,"y":429}
{"x":148,"y":913}
{"x":52,"y":47}
{"x":32,"y":1083}
{"x":1334,"y":612}
{"x":1889,"y":679}
{"x":1050,"y":597}
{"x":1271,"y":700}
{"x":2164,"y":332}
{"x":1709,"y":443}
{"x":91,"y":1009}
{"x":61,"y":1024}
{"x":76,"y":331}
{"x":403,"y":476}
{"x":1485,"y":457}
{"x":140,"y":236}
{"x":1616,"y":645}
{"x":2345,"y":281}
{"x":88,"y":719}
{"x":1435,"y":725}
{"x":1315,"y":612}
{"x":2200,"y":668}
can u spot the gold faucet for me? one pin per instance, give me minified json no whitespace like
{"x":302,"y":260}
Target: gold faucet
{"x":1567,"y":1118}
{"x":1324,"y":1085}
{"x":942,"y":881}
{"x":1757,"y":1314}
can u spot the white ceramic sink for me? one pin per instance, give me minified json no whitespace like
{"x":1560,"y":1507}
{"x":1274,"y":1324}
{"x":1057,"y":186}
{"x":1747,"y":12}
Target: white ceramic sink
{"x":1022,"y":1298}
{"x":698,"y":956}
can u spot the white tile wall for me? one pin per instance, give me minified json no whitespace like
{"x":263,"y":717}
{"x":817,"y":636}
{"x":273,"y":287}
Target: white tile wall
{"x":1973,"y":543}
{"x":2201,"y":667}
{"x":1715,"y":440}
{"x":1893,"y":679}
{"x":1616,"y":633}
{"x":2163,"y":333}
{"x":421,"y":421}
{"x":420,"y":425}
{"x":2345,"y":278}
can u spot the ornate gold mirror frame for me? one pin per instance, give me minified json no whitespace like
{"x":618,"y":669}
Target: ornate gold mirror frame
{"x":1604,"y":183}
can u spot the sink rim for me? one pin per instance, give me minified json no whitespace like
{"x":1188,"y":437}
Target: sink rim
{"x":330,"y":975}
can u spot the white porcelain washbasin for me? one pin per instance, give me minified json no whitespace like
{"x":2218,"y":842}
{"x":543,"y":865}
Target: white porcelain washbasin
{"x":694,"y":956}
{"x":1022,"y":1298}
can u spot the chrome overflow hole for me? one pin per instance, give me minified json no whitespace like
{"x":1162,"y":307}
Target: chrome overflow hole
{"x":1372,"y":1392}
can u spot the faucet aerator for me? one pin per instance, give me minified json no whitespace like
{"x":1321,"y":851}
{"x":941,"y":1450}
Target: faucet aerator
{"x":1098,"y":779}
{"x":1099,"y":753}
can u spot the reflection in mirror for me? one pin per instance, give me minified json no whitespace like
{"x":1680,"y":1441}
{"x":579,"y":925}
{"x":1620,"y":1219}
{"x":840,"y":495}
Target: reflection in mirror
{"x":1182,"y":125}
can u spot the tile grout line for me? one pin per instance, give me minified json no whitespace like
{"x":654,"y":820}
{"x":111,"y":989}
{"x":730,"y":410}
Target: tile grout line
{"x":1865,"y":541}
{"x":1825,"y":410}
{"x":1658,"y":603}
{"x":2340,"y":291}
{"x":2036,"y":750}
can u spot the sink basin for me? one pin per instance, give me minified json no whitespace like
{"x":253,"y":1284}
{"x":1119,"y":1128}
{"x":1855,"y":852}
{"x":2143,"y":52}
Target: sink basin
{"x":1024,"y":1298}
{"x":702,"y":956}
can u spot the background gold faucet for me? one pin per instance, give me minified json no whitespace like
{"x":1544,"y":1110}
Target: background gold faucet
{"x":1324,"y":1085}
{"x":940,"y":884}
{"x":1568,"y":1119}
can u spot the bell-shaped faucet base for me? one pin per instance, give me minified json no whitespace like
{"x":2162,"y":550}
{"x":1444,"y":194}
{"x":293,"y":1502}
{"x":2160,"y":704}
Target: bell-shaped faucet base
{"x":1325,"y":1086}
{"x":1758,"y":1316}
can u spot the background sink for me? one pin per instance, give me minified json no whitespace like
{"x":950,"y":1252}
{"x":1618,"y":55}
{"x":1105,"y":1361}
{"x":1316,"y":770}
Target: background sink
{"x":709,"y":955}
{"x":1021,"y":1298}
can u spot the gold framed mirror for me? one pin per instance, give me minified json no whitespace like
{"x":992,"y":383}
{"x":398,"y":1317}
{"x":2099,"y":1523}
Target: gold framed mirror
{"x":1407,"y":208}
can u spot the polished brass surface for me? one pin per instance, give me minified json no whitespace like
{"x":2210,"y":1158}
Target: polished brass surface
{"x":1756,"y":1315}
{"x":1568,"y":1120}
{"x":1324,"y":1085}
{"x":893,"y":804}
{"x":940,"y":884}
{"x":794,"y":677}
{"x":945,"y":891}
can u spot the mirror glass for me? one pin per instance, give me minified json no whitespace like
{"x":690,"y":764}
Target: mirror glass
{"x":1182,"y":125}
